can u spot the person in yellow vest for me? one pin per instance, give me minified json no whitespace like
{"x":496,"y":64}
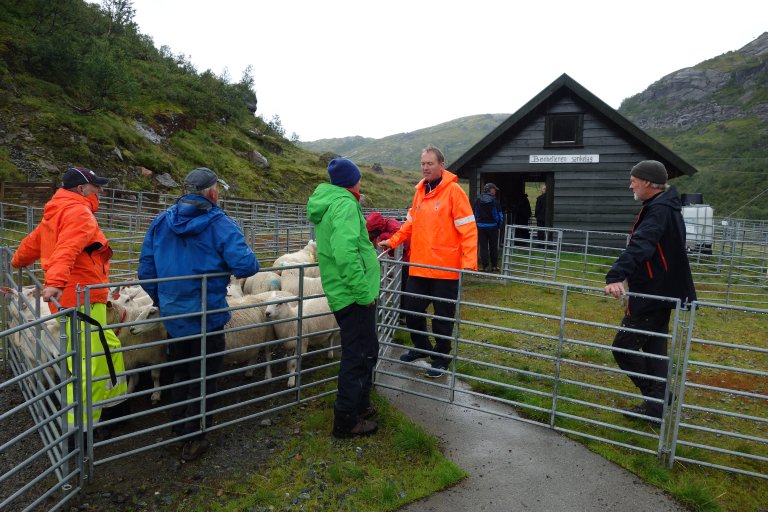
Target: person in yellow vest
{"x":74,"y":251}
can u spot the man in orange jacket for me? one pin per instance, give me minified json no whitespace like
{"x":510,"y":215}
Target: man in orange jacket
{"x":73,"y":251}
{"x":443,"y":233}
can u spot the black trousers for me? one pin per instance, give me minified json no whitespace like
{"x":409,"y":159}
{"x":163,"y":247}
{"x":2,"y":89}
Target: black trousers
{"x":488,"y":242}
{"x":654,"y":321}
{"x":186,"y":371}
{"x":424,"y":288}
{"x":359,"y":353}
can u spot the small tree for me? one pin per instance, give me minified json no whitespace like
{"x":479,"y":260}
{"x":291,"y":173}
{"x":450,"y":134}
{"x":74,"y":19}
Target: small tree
{"x":276,"y":125}
{"x":120,"y":13}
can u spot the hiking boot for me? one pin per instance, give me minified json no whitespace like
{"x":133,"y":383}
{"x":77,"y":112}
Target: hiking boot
{"x":495,"y":269}
{"x":411,"y":356}
{"x":652,"y":411}
{"x":363,"y":428}
{"x":194,"y":448}
{"x":367,"y":413}
{"x":436,"y":370}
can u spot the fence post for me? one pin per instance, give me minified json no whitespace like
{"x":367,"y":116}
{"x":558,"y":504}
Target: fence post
{"x":559,"y":356}
{"x":680,"y":387}
{"x":30,"y":218}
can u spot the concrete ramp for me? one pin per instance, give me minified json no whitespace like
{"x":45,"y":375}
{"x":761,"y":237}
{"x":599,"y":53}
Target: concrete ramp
{"x":512,"y":465}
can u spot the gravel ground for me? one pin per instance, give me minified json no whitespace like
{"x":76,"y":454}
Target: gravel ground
{"x":151,"y":480}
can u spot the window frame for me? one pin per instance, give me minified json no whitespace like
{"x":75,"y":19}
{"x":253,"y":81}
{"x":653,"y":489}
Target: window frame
{"x":549,"y":129}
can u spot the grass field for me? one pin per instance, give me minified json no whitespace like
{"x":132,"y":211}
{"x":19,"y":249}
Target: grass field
{"x":513,"y":339}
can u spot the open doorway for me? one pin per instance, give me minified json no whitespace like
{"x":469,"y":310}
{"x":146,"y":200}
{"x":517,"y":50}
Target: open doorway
{"x":518,"y":194}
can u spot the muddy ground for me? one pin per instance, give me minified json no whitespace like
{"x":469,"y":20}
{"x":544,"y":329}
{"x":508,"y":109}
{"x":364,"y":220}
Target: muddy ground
{"x":156,"y":479}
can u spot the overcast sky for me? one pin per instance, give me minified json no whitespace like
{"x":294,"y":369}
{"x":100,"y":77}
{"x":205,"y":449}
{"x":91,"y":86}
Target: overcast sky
{"x":337,"y":68}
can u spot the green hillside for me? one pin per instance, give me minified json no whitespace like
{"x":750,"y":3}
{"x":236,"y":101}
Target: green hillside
{"x":403,"y":150}
{"x":715,"y":115}
{"x":80,"y":85}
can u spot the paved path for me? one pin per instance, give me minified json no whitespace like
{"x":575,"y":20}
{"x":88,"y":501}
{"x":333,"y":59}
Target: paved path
{"x":512,"y":465}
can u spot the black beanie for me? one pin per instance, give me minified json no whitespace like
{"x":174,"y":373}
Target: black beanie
{"x":344,"y":173}
{"x":650,"y":170}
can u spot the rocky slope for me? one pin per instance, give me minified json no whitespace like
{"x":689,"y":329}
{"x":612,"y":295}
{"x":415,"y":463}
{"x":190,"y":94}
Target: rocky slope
{"x":724,"y":88}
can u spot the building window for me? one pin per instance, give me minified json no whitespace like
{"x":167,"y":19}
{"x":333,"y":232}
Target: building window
{"x":564,"y":130}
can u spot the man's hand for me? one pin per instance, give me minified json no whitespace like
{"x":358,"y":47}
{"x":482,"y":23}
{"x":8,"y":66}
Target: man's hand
{"x":51,"y":291}
{"x":384,"y":244}
{"x":615,"y":290}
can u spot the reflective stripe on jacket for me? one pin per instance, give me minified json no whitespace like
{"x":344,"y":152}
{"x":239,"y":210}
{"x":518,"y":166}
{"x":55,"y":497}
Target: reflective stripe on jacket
{"x":442,"y":230}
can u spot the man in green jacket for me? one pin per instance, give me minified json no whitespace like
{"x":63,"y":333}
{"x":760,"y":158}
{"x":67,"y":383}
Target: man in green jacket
{"x":351,"y":275}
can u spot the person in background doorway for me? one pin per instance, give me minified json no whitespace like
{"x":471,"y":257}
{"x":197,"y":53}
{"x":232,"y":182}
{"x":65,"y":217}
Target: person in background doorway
{"x":74,"y":251}
{"x":522,"y":216}
{"x":655,"y":262}
{"x":489,"y":220}
{"x":443,"y":233}
{"x":351,"y":275}
{"x":192,"y":237}
{"x":540,"y":212}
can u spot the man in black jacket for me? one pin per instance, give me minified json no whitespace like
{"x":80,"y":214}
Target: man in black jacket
{"x":654,"y":263}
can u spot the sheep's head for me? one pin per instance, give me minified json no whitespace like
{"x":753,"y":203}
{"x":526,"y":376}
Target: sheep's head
{"x":278,"y":310}
{"x":115,"y":311}
{"x":311,"y":247}
{"x":145,"y":313}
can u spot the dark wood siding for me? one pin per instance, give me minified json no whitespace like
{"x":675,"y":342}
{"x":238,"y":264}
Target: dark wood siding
{"x":586,"y":196}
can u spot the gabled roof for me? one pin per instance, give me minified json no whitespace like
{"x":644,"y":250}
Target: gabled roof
{"x":676,"y":166}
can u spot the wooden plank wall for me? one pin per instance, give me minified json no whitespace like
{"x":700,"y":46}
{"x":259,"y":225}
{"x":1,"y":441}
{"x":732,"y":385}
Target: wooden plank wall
{"x":592,"y":197}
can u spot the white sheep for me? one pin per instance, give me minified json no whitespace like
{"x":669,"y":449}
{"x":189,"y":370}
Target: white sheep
{"x":306,"y":255}
{"x":289,"y":282}
{"x":259,"y":282}
{"x":130,"y":296}
{"x":151,"y":355}
{"x":245,"y":329}
{"x":234,"y":290}
{"x":36,"y":350}
{"x":318,"y":326}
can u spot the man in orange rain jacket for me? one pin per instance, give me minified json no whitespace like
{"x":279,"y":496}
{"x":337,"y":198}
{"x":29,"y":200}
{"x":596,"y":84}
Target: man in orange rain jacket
{"x":73,"y":251}
{"x":443,"y":233}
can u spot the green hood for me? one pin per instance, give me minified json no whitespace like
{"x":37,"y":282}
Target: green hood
{"x":348,"y":265}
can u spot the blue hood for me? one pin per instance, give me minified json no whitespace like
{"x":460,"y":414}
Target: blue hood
{"x":192,"y":214}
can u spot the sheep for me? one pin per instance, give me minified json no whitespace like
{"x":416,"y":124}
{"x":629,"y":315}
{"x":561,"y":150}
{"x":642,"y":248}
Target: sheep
{"x":36,"y":350}
{"x":318,"y":325}
{"x":311,"y":270}
{"x":130,"y":296}
{"x":234,"y":290}
{"x":152,"y":355}
{"x":244,"y":330}
{"x":289,"y":282}
{"x":306,"y":255}
{"x":249,"y":333}
{"x":261,"y":282}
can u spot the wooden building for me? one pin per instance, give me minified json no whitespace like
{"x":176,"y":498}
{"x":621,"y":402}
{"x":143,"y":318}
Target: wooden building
{"x":581,"y":148}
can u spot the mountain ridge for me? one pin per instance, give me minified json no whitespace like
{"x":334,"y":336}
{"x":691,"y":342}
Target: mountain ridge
{"x":714,"y":114}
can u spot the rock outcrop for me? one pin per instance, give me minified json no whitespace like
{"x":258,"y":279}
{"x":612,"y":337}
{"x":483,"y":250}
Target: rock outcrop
{"x":720,"y":89}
